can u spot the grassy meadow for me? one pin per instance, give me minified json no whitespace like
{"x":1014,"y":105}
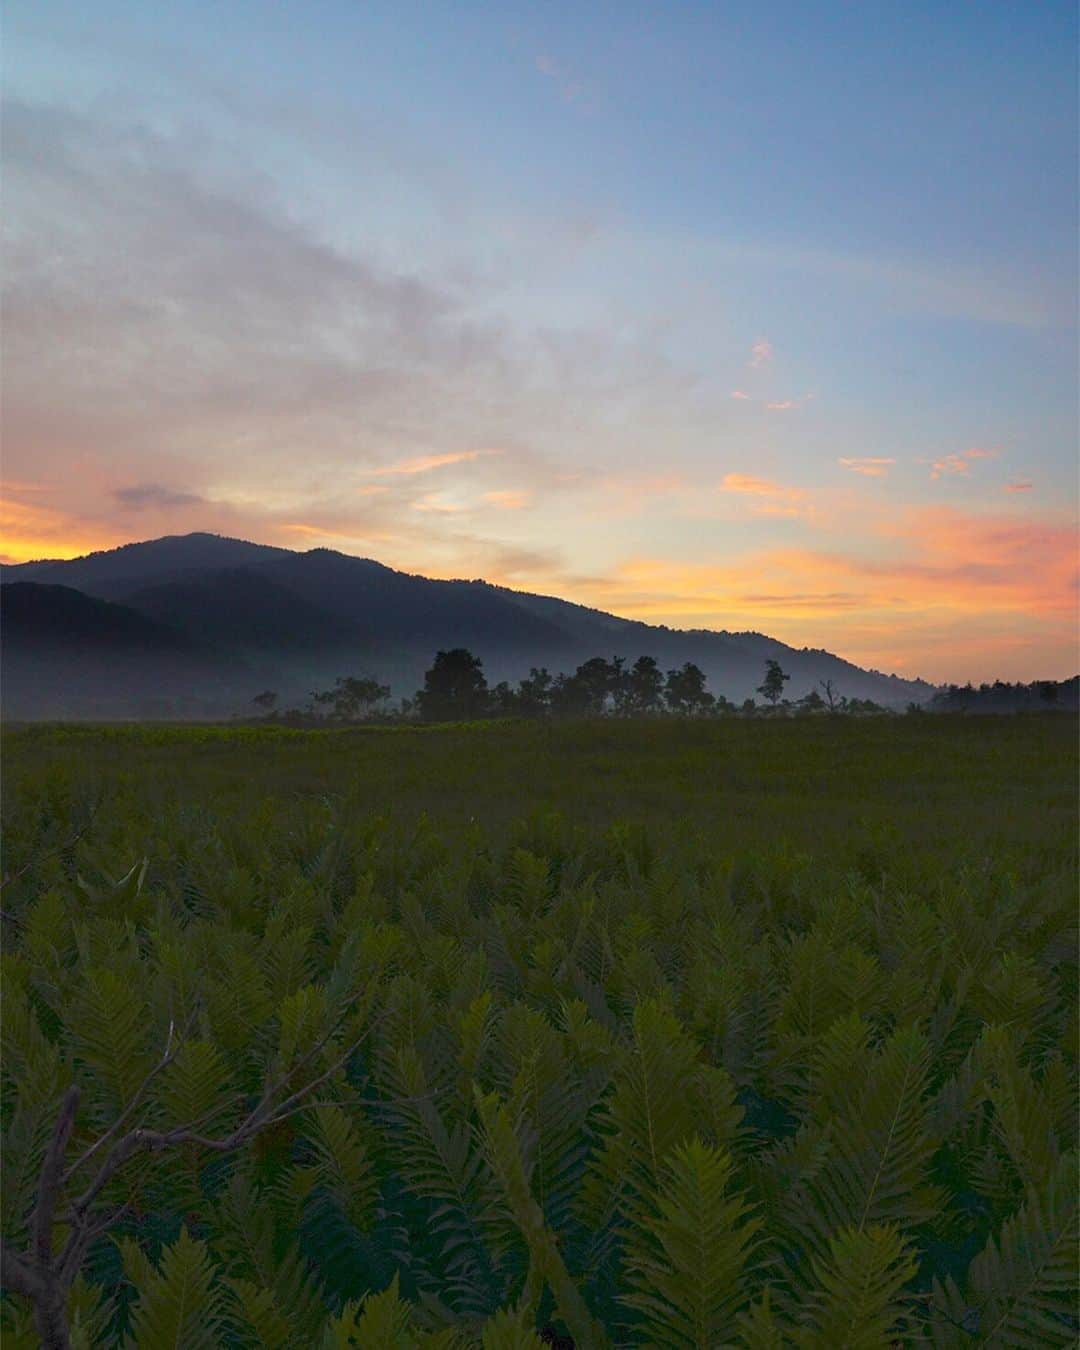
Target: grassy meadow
{"x":622,"y":1033}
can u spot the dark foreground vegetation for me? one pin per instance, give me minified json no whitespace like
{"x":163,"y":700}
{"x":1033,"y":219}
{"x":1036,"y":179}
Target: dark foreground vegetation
{"x":660,"y":1032}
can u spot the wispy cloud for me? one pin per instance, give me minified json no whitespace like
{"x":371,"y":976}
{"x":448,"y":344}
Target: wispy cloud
{"x":738,"y":393}
{"x":506,"y":499}
{"x":761,"y":353}
{"x":570,"y":87}
{"x":155,"y":496}
{"x":959,"y":463}
{"x":425,"y":463}
{"x":781,"y":405}
{"x":769,"y":498}
{"x":744,"y":482}
{"x":431,"y":501}
{"x":1024,"y":486}
{"x":870,"y":466}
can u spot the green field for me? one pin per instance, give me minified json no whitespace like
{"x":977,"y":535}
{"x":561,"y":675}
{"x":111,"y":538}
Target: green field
{"x":636,"y":1033}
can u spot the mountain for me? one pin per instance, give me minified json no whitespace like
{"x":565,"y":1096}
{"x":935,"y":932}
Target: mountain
{"x":294,"y":621}
{"x":67,"y":654}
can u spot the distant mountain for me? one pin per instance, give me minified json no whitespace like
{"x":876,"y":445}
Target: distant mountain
{"x":67,"y":654}
{"x":294,"y":621}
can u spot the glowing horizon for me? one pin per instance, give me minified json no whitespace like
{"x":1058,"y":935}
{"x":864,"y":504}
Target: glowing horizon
{"x":569,"y":303}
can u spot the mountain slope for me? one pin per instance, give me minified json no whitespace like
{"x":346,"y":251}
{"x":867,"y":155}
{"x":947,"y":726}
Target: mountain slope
{"x":67,"y":654}
{"x":303,"y":618}
{"x":244,"y":608}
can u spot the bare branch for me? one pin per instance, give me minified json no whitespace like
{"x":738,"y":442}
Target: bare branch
{"x":136,"y":1097}
{"x":50,"y":1178}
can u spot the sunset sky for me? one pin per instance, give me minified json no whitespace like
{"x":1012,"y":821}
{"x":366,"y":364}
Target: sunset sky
{"x":719,"y":315}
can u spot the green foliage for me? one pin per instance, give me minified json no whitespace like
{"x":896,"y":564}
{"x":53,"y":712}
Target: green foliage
{"x":687,"y":1252}
{"x":857,"y":1304}
{"x":180,"y":1302}
{"x":752,"y":1045}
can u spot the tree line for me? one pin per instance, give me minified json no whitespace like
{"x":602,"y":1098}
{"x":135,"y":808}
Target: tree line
{"x":456,"y":689}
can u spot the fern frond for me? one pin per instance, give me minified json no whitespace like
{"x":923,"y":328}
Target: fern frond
{"x":880,"y":1150}
{"x":649,"y":1113}
{"x":686,"y":1254}
{"x":857,"y":1305}
{"x":108,"y":1027}
{"x":1021,"y":1289}
{"x":504,"y":1156}
{"x":343,"y":1169}
{"x":508,"y":1330}
{"x":760,"y":1328}
{"x":257,"y":1310}
{"x":385,"y":1321}
{"x":180,"y":1303}
{"x":195,"y":1083}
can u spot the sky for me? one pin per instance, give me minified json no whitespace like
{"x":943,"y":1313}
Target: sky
{"x":734,"y":315}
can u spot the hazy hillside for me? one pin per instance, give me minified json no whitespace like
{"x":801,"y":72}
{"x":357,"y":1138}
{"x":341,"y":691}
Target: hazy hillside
{"x":67,"y":654}
{"x":260,"y":616}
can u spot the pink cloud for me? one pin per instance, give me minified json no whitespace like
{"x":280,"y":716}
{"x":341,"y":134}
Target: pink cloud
{"x":424,"y":463}
{"x":1024,"y":486}
{"x":781,"y":405}
{"x":738,"y":393}
{"x":506,"y":500}
{"x":761,"y":353}
{"x":959,"y":463}
{"x":870,"y":466}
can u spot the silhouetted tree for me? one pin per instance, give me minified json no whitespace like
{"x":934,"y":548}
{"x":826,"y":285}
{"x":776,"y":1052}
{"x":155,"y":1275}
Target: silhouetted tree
{"x":454,"y":688}
{"x":830,"y":694}
{"x":772,"y":687}
{"x":266,"y":702}
{"x":349,"y":699}
{"x":685,"y":690}
{"x":642,"y":687}
{"x":504,"y":699}
{"x":586,"y":692}
{"x":812,"y":702}
{"x":534,"y":693}
{"x":353,"y":695}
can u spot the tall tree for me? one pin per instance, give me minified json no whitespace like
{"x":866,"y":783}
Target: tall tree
{"x":354,"y":695}
{"x":772,"y":687}
{"x":586,"y":692}
{"x":454,"y":688}
{"x":685,"y":690}
{"x":644,"y":687}
{"x":534,"y":693}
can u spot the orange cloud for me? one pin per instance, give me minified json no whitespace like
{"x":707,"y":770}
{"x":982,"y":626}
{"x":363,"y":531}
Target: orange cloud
{"x":758,"y":487}
{"x":431,"y":502}
{"x":771,"y":499}
{"x":781,"y":405}
{"x":1024,"y":486}
{"x":869,"y":465}
{"x":507,"y":500}
{"x":937,"y":592}
{"x":29,"y":532}
{"x":959,"y":463}
{"x":425,"y":463}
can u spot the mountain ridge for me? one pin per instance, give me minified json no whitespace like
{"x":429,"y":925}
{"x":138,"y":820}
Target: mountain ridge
{"x":291,"y":618}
